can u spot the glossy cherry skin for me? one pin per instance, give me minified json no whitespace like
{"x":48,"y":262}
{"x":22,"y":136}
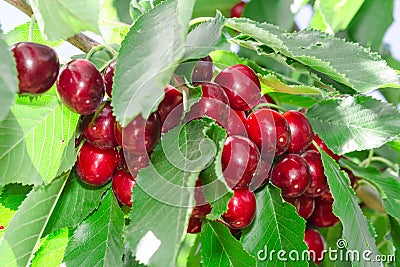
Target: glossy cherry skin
{"x":108,"y":77}
{"x":80,"y":87}
{"x":266,"y":99}
{"x":96,"y":166}
{"x":239,"y":160}
{"x":122,"y":184}
{"x":319,"y":183}
{"x":213,"y":104}
{"x":194,"y":225}
{"x":98,"y":128}
{"x":172,"y":100}
{"x":241,"y":85}
{"x":325,"y":148}
{"x":241,"y":209}
{"x":291,"y":175}
{"x":237,"y":10}
{"x":37,"y":67}
{"x":236,"y":123}
{"x":136,"y":162}
{"x":269,"y":130}
{"x":301,"y":131}
{"x":202,"y":207}
{"x":203,"y":70}
{"x":316,"y":243}
{"x":304,"y":205}
{"x":140,"y":135}
{"x":323,"y":215}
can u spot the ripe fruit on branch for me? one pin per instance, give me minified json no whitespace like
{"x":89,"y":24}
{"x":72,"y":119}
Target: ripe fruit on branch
{"x":203,"y":70}
{"x":301,"y":131}
{"x":37,"y":67}
{"x":237,"y":10}
{"x":194,"y":225}
{"x":316,"y":244}
{"x":80,"y":86}
{"x":202,"y":207}
{"x":241,"y":209}
{"x":323,"y":215}
{"x":122,"y":184}
{"x":96,"y":166}
{"x":324,"y":147}
{"x":236,"y":123}
{"x":318,"y":184}
{"x":108,"y":77}
{"x":170,"y":109}
{"x":304,"y":205}
{"x":241,"y":85}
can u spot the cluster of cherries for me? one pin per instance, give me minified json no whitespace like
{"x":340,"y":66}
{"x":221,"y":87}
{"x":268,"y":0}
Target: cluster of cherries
{"x":258,"y":136}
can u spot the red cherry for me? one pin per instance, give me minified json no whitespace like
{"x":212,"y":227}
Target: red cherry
{"x":96,"y":166}
{"x":203,"y":70}
{"x":202,"y":207}
{"x":194,"y":225}
{"x":98,"y":128}
{"x":236,"y":123}
{"x":237,"y":10}
{"x":37,"y":67}
{"x":318,"y":180}
{"x":304,"y":205}
{"x":316,"y":244}
{"x":239,"y":160}
{"x":351,"y":175}
{"x":241,"y":85}
{"x":172,"y":100}
{"x":122,"y":184}
{"x":325,"y":148}
{"x":291,"y":175}
{"x":269,"y":130}
{"x":241,"y":209}
{"x":136,"y":162}
{"x":323,"y":215}
{"x":301,"y":131}
{"x":327,"y":195}
{"x":108,"y":77}
{"x":80,"y":86}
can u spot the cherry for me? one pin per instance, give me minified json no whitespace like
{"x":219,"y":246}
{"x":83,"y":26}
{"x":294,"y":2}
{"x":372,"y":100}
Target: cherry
{"x":324,"y":147}
{"x":316,"y":244}
{"x":80,"y":86}
{"x":239,"y":160}
{"x":323,"y":215}
{"x":203,"y":70}
{"x":237,"y":10}
{"x":122,"y":184}
{"x":98,"y":128}
{"x":96,"y":166}
{"x":266,"y":99}
{"x":318,"y":180}
{"x":241,"y":85}
{"x":202,"y":207}
{"x":236,"y":122}
{"x":291,"y":175}
{"x":108,"y":77}
{"x":241,"y":209}
{"x":194,"y":225}
{"x":37,"y":67}
{"x":351,"y":175}
{"x":140,"y":135}
{"x":304,"y":205}
{"x":327,"y":195}
{"x":263,"y":172}
{"x":172,"y":100}
{"x":136,"y":162}
{"x":269,"y":130}
{"x":301,"y":131}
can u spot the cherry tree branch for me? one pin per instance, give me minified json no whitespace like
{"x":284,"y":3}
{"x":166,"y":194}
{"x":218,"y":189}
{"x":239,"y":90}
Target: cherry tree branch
{"x":79,"y":40}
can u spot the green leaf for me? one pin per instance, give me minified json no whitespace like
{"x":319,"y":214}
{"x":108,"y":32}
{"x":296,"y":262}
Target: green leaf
{"x":108,"y":22}
{"x":270,"y":83}
{"x":294,"y":101}
{"x":356,"y":229}
{"x":388,"y":186}
{"x":62,"y":19}
{"x":8,"y":79}
{"x":12,"y":195}
{"x":164,"y":192}
{"x":21,"y":34}
{"x":276,"y":226}
{"x":51,"y":252}
{"x":395,"y":234}
{"x":207,"y":8}
{"x":354,"y":123}
{"x":25,"y":229}
{"x":330,"y":56}
{"x":6,"y":215}
{"x":220,"y":248}
{"x":79,"y":199}
{"x":98,"y":240}
{"x":34,"y":138}
{"x":148,"y":57}
{"x":194,"y":257}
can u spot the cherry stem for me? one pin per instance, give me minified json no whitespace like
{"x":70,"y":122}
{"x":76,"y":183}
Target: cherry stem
{"x":378,"y":159}
{"x":79,"y":40}
{"x":31,"y":28}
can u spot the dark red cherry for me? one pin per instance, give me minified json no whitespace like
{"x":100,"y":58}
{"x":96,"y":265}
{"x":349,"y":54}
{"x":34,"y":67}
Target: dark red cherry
{"x":304,"y":205}
{"x":98,"y":128}
{"x":80,"y":86}
{"x":325,"y":148}
{"x":316,"y":244}
{"x":140,"y":135}
{"x":263,"y":171}
{"x":96,"y":166}
{"x":37,"y":67}
{"x":136,"y":162}
{"x":291,"y":175}
{"x":122,"y":184}
{"x":327,"y":195}
{"x":266,"y":99}
{"x":172,"y":100}
{"x":203,"y":70}
{"x":318,"y":179}
{"x":241,"y":209}
{"x":352,"y":177}
{"x":202,"y":207}
{"x":323,"y":215}
{"x":239,"y":160}
{"x":237,"y":10}
{"x":108,"y":77}
{"x":213,"y":103}
{"x":194,"y":225}
{"x":236,"y":123}
{"x":241,"y":85}
{"x":301,"y":131}
{"x":269,"y":130}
